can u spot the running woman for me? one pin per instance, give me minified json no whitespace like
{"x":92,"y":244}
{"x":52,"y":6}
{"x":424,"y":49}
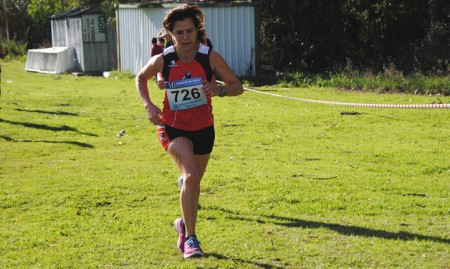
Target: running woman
{"x":185,"y":125}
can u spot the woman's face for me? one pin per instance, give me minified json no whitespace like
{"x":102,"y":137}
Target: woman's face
{"x":185,"y":34}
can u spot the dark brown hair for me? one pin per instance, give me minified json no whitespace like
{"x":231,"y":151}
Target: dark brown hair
{"x":183,"y":12}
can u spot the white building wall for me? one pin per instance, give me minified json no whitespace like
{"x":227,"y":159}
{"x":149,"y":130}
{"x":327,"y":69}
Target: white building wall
{"x":74,"y":40}
{"x":59,"y":31}
{"x":231,"y":30}
{"x":136,"y":27}
{"x":88,"y":56}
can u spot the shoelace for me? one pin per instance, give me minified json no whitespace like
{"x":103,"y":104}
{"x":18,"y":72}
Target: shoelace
{"x":193,"y":242}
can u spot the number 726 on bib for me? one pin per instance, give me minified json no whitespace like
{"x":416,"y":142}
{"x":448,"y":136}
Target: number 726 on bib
{"x":186,"y":93}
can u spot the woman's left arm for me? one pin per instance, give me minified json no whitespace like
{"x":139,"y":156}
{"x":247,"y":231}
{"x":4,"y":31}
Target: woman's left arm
{"x":233,"y":86}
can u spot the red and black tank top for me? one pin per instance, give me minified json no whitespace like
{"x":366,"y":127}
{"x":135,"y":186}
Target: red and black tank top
{"x":195,"y":118}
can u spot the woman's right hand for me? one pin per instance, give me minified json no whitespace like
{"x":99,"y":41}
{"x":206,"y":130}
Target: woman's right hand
{"x":154,"y":114}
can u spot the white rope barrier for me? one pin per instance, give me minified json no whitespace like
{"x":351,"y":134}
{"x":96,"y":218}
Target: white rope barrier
{"x":348,"y":104}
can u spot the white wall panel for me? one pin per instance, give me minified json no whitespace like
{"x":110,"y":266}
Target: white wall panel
{"x":230,"y":28}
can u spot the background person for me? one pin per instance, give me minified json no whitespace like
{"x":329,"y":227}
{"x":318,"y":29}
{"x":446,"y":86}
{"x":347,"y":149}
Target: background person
{"x":186,"y":125}
{"x":162,"y":42}
{"x":167,"y":38}
{"x":156,"y":49}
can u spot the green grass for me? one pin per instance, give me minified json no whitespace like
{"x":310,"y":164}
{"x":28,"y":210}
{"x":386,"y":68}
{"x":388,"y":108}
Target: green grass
{"x":289,"y":184}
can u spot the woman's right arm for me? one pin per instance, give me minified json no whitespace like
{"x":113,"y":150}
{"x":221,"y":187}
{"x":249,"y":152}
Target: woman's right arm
{"x":153,"y":66}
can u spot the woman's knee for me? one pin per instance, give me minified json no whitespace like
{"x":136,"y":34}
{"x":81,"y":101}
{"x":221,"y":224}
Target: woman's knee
{"x":192,"y":178}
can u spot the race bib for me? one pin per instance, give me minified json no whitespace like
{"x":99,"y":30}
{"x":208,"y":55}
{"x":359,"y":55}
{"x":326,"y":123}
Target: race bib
{"x":185,"y":93}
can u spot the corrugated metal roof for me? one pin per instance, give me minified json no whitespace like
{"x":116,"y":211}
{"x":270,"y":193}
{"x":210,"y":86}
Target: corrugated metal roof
{"x":77,"y":12}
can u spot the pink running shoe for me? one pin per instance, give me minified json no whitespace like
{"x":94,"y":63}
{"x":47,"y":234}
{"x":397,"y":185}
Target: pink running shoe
{"x":179,"y":227}
{"x":192,"y":248}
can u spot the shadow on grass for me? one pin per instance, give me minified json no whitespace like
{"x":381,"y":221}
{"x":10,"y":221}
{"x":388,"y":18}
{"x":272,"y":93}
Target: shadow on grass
{"x":260,"y":265}
{"x":342,"y":229}
{"x":62,"y":113}
{"x":46,"y":127}
{"x":83,"y":145}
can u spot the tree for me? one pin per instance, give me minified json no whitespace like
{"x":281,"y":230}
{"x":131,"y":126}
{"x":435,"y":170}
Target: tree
{"x":382,"y":29}
{"x":5,"y":9}
{"x":15,"y":28}
{"x":302,"y":35}
{"x":41,"y":11}
{"x":324,"y":35}
{"x":432,"y":53}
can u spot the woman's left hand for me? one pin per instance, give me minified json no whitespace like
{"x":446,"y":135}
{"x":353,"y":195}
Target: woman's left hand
{"x":160,"y":81}
{"x":209,"y":89}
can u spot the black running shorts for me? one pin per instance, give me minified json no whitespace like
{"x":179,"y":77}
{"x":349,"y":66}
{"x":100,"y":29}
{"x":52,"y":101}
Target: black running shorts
{"x":202,"y":140}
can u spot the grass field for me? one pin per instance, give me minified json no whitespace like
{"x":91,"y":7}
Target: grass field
{"x":289,"y":184}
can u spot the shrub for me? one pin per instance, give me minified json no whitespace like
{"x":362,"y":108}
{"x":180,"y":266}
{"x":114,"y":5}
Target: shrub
{"x":12,"y":47}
